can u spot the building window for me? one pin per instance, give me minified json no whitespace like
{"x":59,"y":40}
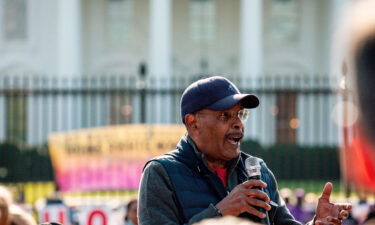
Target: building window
{"x":202,"y":20}
{"x":16,"y":105}
{"x":119,"y":18}
{"x":14,"y":20}
{"x":284,"y":20}
{"x":287,"y":121}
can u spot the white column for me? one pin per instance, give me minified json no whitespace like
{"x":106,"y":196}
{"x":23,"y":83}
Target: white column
{"x":69,"y":61}
{"x":251,"y":49}
{"x":251,"y":65}
{"x":337,"y":52}
{"x":337,"y":12}
{"x":160,"y":42}
{"x":69,"y":37}
{"x":159,"y":106}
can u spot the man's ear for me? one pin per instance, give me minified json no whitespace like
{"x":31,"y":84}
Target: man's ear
{"x":190,"y":121}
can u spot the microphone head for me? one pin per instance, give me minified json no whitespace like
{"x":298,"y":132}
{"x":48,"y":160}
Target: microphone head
{"x":252,"y":167}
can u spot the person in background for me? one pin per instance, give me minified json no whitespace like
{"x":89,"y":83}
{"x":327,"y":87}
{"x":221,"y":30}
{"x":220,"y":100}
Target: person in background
{"x":205,"y":176}
{"x":350,"y":220}
{"x":298,"y":211}
{"x":370,"y":220}
{"x":131,"y":213}
{"x":356,"y":39}
{"x":361,"y":209}
{"x":10,"y":213}
{"x":286,"y":195}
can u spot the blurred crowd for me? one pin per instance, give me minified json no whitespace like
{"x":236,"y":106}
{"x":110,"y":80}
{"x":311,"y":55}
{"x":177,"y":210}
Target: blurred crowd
{"x":12,"y":213}
{"x":301,"y":205}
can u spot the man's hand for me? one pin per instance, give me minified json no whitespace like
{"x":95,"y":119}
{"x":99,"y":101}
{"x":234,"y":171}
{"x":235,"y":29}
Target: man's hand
{"x":328,"y":213}
{"x":245,"y":199}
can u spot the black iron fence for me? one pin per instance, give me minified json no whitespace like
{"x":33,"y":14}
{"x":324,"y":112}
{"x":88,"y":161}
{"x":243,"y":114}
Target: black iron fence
{"x":293,"y":110}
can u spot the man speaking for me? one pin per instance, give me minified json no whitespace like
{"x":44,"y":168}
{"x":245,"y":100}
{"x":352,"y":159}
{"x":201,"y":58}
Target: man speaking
{"x":206,"y":176}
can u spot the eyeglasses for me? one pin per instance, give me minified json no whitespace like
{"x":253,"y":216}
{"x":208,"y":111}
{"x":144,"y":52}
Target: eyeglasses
{"x":243,"y":115}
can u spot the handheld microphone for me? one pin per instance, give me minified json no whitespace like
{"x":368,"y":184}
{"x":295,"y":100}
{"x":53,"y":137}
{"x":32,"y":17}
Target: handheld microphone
{"x":253,"y":171}
{"x":252,"y":166}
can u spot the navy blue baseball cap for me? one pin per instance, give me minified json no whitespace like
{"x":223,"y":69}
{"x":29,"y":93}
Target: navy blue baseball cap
{"x":215,"y":93}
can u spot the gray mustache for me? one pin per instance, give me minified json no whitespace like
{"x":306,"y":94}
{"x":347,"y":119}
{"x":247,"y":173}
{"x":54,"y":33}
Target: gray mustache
{"x":234,"y":134}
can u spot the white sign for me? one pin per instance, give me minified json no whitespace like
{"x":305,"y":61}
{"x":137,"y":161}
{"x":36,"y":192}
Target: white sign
{"x":55,"y":213}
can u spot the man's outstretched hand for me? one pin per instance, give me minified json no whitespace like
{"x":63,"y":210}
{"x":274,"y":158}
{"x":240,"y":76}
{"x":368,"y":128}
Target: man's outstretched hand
{"x":328,"y":213}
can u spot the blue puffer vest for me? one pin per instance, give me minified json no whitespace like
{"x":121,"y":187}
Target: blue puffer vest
{"x":196,"y":186}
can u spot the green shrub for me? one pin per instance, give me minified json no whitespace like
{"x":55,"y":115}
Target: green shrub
{"x":293,"y":162}
{"x":26,"y":164}
{"x":287,"y":162}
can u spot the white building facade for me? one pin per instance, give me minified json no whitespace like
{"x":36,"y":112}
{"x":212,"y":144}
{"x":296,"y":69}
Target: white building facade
{"x":247,"y":40}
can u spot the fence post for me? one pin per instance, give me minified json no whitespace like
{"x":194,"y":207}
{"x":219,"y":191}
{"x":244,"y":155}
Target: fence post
{"x":142,"y":88}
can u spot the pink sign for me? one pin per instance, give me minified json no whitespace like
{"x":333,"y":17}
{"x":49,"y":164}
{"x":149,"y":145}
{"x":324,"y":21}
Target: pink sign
{"x":109,"y":158}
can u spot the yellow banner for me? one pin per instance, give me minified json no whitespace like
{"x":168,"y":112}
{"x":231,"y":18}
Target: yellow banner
{"x":80,"y":158}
